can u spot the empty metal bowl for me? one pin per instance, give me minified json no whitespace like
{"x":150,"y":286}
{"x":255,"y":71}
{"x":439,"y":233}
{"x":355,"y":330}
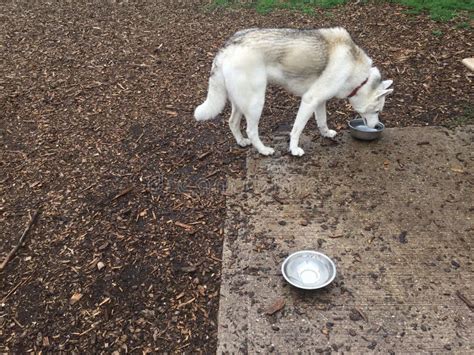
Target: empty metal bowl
{"x":308,"y":270}
{"x":360,"y":130}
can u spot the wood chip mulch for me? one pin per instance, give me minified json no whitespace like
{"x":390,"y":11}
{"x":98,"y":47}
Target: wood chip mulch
{"x":97,"y":133}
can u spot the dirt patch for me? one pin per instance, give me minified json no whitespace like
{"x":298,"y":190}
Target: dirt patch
{"x":97,"y":131}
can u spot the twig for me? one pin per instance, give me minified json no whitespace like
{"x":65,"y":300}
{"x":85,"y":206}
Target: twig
{"x":182,"y":347}
{"x":185,"y":303}
{"x":213,"y":173}
{"x":140,"y":137}
{"x":123,"y":193}
{"x":212,"y":257}
{"x":88,"y":187}
{"x":18,"y":323}
{"x":362,"y":314}
{"x":21,"y":283}
{"x":278,"y":199}
{"x":20,"y":242}
{"x":183,"y":225}
{"x":465,"y":300}
{"x":203,"y":155}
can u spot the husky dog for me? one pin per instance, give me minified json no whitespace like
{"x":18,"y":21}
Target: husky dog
{"x":314,"y":64}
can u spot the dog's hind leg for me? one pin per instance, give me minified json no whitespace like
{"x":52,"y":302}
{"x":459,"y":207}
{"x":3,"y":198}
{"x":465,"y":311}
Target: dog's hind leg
{"x":321,"y":120}
{"x":247,"y":92}
{"x":252,"y":115}
{"x":234,"y":124}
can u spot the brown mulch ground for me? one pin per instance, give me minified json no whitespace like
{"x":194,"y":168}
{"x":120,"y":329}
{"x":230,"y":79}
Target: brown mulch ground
{"x":97,"y":132}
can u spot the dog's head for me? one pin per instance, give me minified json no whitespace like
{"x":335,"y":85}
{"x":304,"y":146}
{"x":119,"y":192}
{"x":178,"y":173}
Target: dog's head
{"x":370,"y":98}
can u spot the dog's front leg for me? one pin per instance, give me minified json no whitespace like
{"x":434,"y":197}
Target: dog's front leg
{"x":321,"y":120}
{"x":304,"y":113}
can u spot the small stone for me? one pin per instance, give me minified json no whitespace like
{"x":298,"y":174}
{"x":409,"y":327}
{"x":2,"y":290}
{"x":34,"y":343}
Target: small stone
{"x":372,"y":345}
{"x":355,"y":315}
{"x":100,"y":265}
{"x":336,"y":346}
{"x":424,"y":328}
{"x":352,"y":332}
{"x":276,"y":328}
{"x":304,"y":222}
{"x":282,"y":223}
{"x":447,"y":347}
{"x":455,"y":264}
{"x":403,"y":237}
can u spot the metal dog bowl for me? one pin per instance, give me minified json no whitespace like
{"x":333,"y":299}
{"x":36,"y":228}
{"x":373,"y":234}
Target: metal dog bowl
{"x":360,"y":130}
{"x":308,"y":270}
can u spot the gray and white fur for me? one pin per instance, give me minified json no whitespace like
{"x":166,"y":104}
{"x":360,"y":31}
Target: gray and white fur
{"x":314,"y":64}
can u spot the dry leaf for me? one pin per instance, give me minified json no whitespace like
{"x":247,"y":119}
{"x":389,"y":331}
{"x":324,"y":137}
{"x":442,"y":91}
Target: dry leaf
{"x":46,"y":342}
{"x":202,"y":290}
{"x":75,"y":298}
{"x":276,"y":306}
{"x":457,"y":170}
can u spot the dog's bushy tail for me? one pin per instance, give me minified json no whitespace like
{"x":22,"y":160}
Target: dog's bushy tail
{"x":216,"y":95}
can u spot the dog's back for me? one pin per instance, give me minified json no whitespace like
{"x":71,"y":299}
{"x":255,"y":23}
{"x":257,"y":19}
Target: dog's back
{"x":292,"y":56}
{"x":282,"y":46}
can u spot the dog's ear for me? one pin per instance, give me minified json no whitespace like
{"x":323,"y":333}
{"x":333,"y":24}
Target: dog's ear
{"x":384,"y":93}
{"x":387,"y":83}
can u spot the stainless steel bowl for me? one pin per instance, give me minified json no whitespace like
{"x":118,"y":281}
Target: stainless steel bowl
{"x":359,"y":130}
{"x":308,"y":269}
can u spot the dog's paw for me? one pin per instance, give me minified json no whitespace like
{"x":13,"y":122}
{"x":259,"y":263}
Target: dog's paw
{"x":330,"y":133}
{"x":297,"y":152}
{"x":267,"y":151}
{"x":244,"y":142}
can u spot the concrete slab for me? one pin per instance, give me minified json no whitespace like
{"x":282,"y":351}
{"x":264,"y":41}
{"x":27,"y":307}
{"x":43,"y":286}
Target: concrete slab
{"x":396,"y":217}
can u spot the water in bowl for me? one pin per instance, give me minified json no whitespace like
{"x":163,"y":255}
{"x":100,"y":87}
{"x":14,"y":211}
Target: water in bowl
{"x":365,"y":128}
